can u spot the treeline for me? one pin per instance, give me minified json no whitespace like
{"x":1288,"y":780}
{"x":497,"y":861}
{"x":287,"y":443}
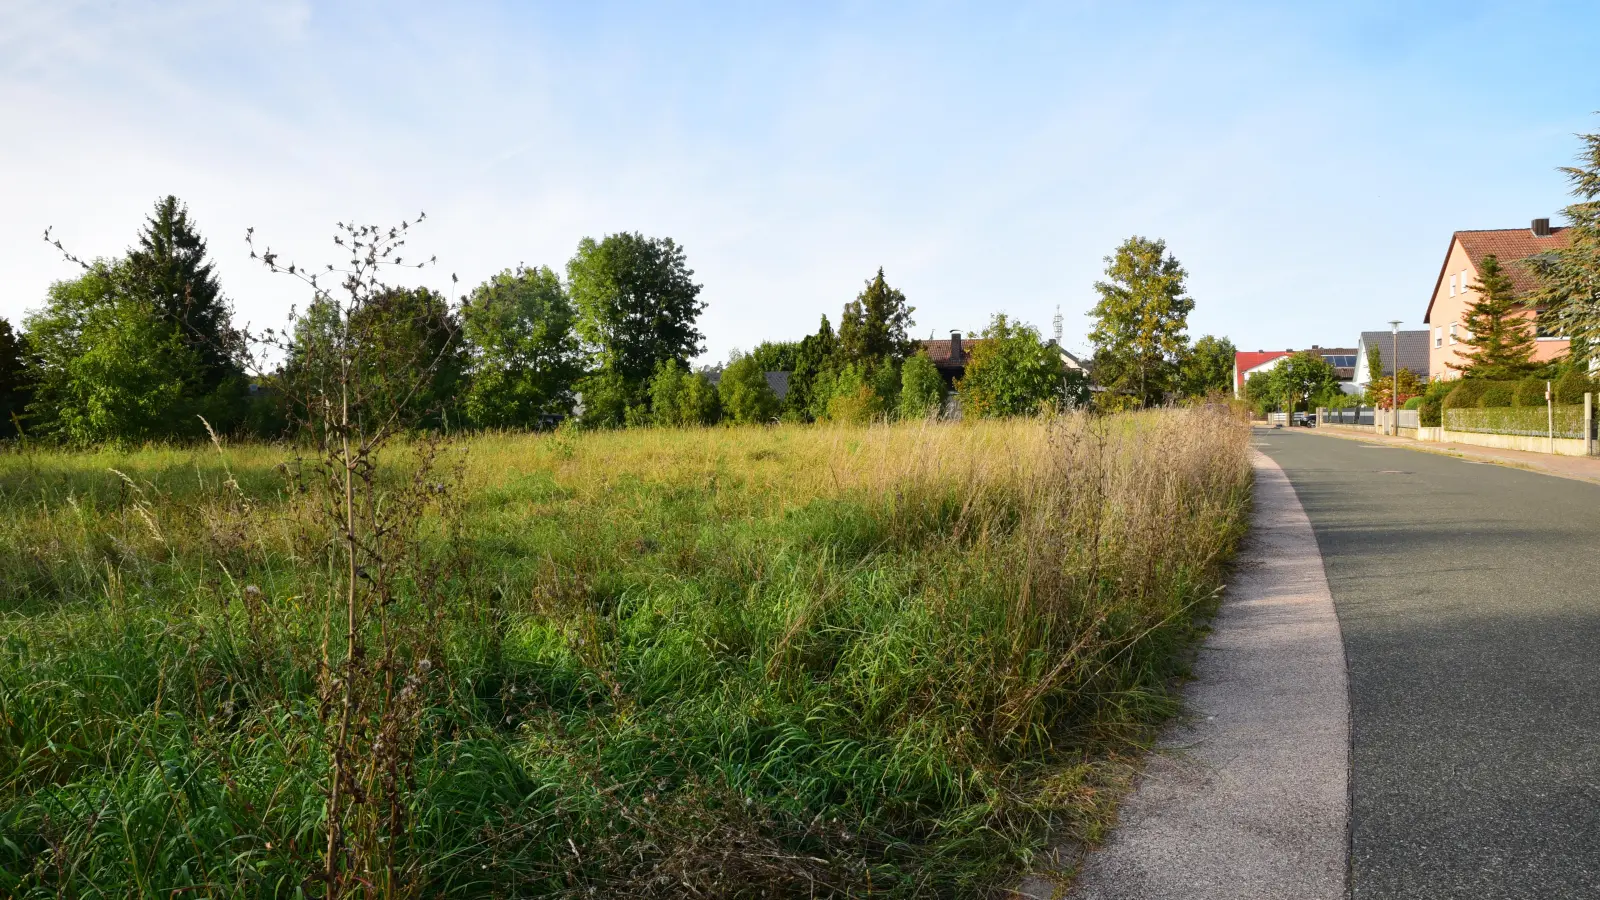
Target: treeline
{"x":143,"y":347}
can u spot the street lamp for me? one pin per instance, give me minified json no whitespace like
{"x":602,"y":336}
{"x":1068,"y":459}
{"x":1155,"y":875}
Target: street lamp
{"x":1394,"y":362}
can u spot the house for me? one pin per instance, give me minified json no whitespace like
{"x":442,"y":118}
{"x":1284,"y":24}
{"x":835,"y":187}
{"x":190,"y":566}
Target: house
{"x":1409,"y":347}
{"x":950,"y":356}
{"x":1245,"y":364}
{"x":1453,"y":292}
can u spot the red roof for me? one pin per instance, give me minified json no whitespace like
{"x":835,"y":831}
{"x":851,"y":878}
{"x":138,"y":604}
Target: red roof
{"x":1510,"y":246}
{"x":1244,"y":362}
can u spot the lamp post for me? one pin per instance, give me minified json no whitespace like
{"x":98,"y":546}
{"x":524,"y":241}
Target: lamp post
{"x":1394,"y":363}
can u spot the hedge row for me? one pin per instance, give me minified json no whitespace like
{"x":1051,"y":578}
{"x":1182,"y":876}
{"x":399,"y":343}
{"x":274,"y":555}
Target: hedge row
{"x":1478,"y":393}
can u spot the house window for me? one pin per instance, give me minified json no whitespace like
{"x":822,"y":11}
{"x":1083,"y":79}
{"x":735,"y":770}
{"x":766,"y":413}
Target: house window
{"x":1466,"y":280}
{"x":1438,"y":336}
{"x":1452,"y":332}
{"x":1452,"y":284}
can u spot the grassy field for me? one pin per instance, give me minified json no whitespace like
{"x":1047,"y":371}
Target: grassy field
{"x":796,"y":661}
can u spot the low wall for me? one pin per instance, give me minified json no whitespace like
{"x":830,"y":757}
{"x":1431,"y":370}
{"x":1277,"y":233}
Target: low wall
{"x":1558,"y":446}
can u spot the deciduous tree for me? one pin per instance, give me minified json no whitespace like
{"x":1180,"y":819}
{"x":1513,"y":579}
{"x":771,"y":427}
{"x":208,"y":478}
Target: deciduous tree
{"x":921,"y":387}
{"x":1208,"y":366}
{"x":1010,"y":372}
{"x":746,"y":397}
{"x":637,"y":306}
{"x":1141,"y":319}
{"x":523,"y":354}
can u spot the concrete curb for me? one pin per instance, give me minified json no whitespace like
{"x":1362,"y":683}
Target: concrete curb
{"x":1249,"y":796}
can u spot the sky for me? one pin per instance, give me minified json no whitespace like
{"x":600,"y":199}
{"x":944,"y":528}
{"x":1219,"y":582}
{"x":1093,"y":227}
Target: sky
{"x":1306,"y":162}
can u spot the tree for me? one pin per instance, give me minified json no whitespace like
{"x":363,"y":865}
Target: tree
{"x":852,"y":399}
{"x":14,"y":380}
{"x":1300,"y":376}
{"x":1140,"y":321}
{"x":406,"y":343}
{"x":1374,"y":373}
{"x":679,"y":397}
{"x":1381,"y":391}
{"x":921,"y":388}
{"x":169,"y":267}
{"x":1010,"y":372}
{"x":1569,"y":278}
{"x":637,"y":306}
{"x":746,"y":397}
{"x":876,"y":325}
{"x":1261,"y":394}
{"x":777,"y":356}
{"x":1499,"y":342}
{"x":815,"y":359}
{"x":110,"y":365}
{"x":523,"y":355}
{"x":1208,"y":366}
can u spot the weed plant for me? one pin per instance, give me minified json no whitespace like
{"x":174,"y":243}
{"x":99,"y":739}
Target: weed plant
{"x":792,"y":661}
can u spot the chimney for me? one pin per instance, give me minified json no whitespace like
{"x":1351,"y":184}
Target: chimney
{"x":1541,"y":227}
{"x":955,"y":347}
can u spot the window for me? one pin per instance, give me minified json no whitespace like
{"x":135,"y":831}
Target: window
{"x":1452,"y":332}
{"x":1438,"y":336}
{"x":1452,"y":284}
{"x":1466,"y":280}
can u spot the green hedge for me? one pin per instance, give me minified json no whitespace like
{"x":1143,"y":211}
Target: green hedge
{"x":1497,"y":394}
{"x":1530,"y":392}
{"x":1516,"y":420}
{"x":1466,"y":394}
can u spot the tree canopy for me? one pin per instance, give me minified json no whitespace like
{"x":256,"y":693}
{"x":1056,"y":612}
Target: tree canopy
{"x":169,"y":267}
{"x":1499,"y":339}
{"x":1208,"y":366}
{"x":876,"y":325}
{"x":1010,"y":372}
{"x":1141,"y":321}
{"x":637,"y":305}
{"x":523,"y":349}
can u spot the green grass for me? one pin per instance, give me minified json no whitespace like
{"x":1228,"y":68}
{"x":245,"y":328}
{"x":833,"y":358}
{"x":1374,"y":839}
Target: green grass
{"x":888,"y":661}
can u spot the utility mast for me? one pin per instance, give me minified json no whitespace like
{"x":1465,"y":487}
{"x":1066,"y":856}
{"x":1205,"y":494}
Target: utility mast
{"x":1057,"y":324}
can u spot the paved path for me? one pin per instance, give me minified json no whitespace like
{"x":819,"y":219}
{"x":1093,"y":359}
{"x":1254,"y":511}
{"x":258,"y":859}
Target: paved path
{"x":1248,"y":797}
{"x":1471,"y":625}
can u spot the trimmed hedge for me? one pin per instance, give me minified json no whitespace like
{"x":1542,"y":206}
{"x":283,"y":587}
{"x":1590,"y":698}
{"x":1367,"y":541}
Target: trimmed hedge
{"x":1413,"y":403}
{"x":1497,"y":394}
{"x":1466,"y":395}
{"x":1571,"y":386}
{"x":1530,"y":392}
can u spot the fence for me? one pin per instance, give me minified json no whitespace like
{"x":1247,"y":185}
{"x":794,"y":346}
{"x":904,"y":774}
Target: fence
{"x":1530,"y":421}
{"x":1354,"y":416}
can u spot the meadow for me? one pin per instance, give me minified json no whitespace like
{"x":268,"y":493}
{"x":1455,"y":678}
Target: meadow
{"x":897,"y":660}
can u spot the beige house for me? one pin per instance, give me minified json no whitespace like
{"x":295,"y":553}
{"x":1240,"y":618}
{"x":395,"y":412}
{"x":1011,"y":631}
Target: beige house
{"x":1453,"y":292}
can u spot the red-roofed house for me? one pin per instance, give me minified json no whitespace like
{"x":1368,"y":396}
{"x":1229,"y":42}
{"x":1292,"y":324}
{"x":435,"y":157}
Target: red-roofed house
{"x":1244,"y":363}
{"x":1453,"y":292}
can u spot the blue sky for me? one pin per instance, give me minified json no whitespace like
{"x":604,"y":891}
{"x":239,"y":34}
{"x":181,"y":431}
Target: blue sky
{"x":1306,"y":162}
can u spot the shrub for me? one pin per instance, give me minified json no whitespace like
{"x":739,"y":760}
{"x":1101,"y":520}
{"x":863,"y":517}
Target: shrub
{"x":746,"y":397}
{"x":1413,"y":403}
{"x":1497,"y":394}
{"x":1570,"y":387}
{"x":1530,"y":392}
{"x":921,"y":388}
{"x":1466,"y":393}
{"x":1431,"y":413}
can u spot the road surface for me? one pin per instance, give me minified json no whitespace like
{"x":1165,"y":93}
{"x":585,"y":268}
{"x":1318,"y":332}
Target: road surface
{"x":1471,"y":621}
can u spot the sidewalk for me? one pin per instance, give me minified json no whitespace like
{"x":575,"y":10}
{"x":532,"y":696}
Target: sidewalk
{"x":1576,"y":467}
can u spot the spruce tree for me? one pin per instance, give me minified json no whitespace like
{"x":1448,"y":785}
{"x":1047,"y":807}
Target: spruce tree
{"x":170,"y":269}
{"x":1569,"y":278}
{"x":1499,"y":339}
{"x":876,"y":324}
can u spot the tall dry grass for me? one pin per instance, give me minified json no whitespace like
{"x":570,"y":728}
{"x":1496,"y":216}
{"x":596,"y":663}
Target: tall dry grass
{"x":759,"y":662}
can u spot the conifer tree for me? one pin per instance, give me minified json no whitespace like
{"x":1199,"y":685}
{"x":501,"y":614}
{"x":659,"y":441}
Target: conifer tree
{"x":1499,"y":339}
{"x":876,"y":324}
{"x":169,"y":268}
{"x":1569,"y":278}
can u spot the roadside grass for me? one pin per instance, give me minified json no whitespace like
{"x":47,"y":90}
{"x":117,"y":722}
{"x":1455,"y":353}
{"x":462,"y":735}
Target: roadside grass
{"x":799,"y":661}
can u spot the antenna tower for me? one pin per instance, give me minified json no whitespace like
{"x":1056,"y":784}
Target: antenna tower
{"x":1057,"y":324}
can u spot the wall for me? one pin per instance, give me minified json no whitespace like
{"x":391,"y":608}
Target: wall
{"x":1559,"y":446}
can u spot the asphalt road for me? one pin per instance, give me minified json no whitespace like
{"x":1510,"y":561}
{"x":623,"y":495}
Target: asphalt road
{"x":1471,"y":619}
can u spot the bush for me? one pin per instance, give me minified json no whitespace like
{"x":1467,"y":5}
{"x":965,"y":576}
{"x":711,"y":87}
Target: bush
{"x":1570,"y":387}
{"x":1413,"y":403}
{"x":1467,"y":393}
{"x":1530,"y":392}
{"x":1431,"y":413}
{"x":1497,"y":394}
{"x":746,"y":397}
